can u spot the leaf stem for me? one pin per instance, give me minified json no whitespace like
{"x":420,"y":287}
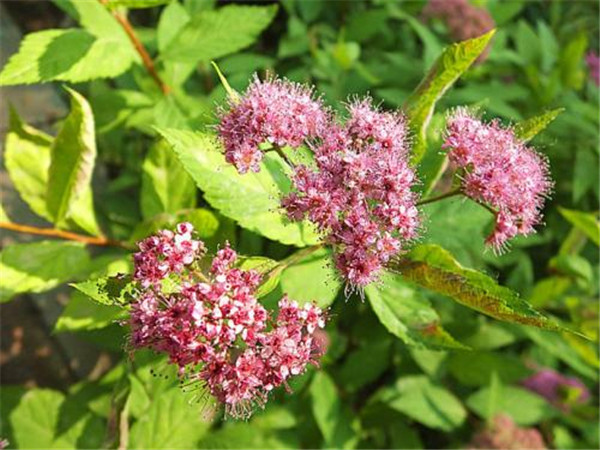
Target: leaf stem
{"x":280,"y":152}
{"x":139,"y":47}
{"x":440,"y":197}
{"x":55,"y":232}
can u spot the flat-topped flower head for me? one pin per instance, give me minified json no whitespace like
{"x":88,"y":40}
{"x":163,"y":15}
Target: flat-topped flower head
{"x":211,"y":325}
{"x":359,"y":194}
{"x":501,"y":171}
{"x":274,"y":111}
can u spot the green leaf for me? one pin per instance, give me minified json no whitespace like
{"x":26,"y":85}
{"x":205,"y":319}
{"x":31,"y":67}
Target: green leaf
{"x":364,"y":365}
{"x":3,"y":216}
{"x":73,"y":154}
{"x":529,"y":128}
{"x":324,"y":283}
{"x":586,"y":222}
{"x":332,"y":417}
{"x":135,"y":4}
{"x":231,"y":93}
{"x":250,"y":199}
{"x":239,"y":435}
{"x":212,"y":34}
{"x":427,"y":403}
{"x":114,"y":290}
{"x":407,"y":314}
{"x":40,"y":266}
{"x":476,"y":368}
{"x":451,"y":64}
{"x":266,"y":267}
{"x":27,"y":160}
{"x":95,"y":18}
{"x":434,"y":268}
{"x":38,"y":422}
{"x":172,"y":20}
{"x":166,"y":186}
{"x":170,"y":422}
{"x":523,"y":406}
{"x":72,"y":55}
{"x":205,"y":222}
{"x":82,"y":314}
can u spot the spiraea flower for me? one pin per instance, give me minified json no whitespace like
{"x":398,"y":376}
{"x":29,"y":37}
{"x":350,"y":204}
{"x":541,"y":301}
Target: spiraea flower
{"x":592,"y":60}
{"x":500,"y":171}
{"x":359,"y":191}
{"x":560,"y":390}
{"x":212,"y":326}
{"x":274,"y":111}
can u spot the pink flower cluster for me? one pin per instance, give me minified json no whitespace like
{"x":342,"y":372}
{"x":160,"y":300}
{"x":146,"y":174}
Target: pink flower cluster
{"x":359,"y":194}
{"x":214,"y":329}
{"x":277,"y":112}
{"x":503,"y":433}
{"x":592,"y":60}
{"x":558,"y":389}
{"x":500,"y":171}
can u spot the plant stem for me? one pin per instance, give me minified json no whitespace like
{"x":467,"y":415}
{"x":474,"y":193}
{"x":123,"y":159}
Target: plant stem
{"x":55,"y":232}
{"x":139,"y":47}
{"x":287,"y":160}
{"x":439,"y":197}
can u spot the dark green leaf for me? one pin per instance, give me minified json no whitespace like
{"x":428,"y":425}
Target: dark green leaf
{"x":451,"y":64}
{"x":82,"y":314}
{"x":476,"y":368}
{"x":407,"y":314}
{"x":135,"y":4}
{"x":434,"y":268}
{"x":111,"y":290}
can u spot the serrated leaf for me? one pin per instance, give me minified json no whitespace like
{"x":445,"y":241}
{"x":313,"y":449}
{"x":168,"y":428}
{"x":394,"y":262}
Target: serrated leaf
{"x":73,"y":154}
{"x":529,"y":128}
{"x":94,"y":17}
{"x":111,"y":290}
{"x":250,"y":199}
{"x":82,"y":314}
{"x":212,"y":34}
{"x":27,"y":160}
{"x":407,"y":314}
{"x":434,"y":268}
{"x":267,"y":267}
{"x":38,"y":422}
{"x":40,"y":266}
{"x":324,"y":283}
{"x":586,"y":222}
{"x":170,"y":422}
{"x":72,"y":55}
{"x":427,"y":403}
{"x":166,"y":186}
{"x":450,"y":65}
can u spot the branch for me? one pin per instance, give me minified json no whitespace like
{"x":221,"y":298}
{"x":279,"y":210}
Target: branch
{"x":139,"y":47}
{"x":439,"y":197}
{"x":55,"y":232}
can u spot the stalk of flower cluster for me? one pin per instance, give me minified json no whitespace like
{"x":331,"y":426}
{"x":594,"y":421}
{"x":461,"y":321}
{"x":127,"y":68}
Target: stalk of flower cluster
{"x":212,"y":326}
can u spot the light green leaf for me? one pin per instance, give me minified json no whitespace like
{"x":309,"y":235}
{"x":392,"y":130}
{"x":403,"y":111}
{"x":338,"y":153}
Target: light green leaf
{"x":135,"y":4}
{"x":427,"y":403}
{"x":95,"y":18}
{"x":166,"y":186}
{"x":231,"y":93}
{"x":82,"y":314}
{"x":205,"y":222}
{"x":434,"y":268}
{"x":3,"y":216}
{"x":250,"y":199}
{"x":451,"y":64}
{"x":114,"y":290}
{"x":212,"y":34}
{"x":332,"y":416}
{"x":586,"y":222}
{"x":529,"y":128}
{"x":170,"y":422}
{"x":172,"y":20}
{"x":27,"y":160}
{"x":237,"y":435}
{"x":40,"y":266}
{"x":523,"y":406}
{"x":312,"y":279}
{"x":72,"y":55}
{"x":40,"y":418}
{"x":73,"y":154}
{"x":267,"y":267}
{"x":407,"y":314}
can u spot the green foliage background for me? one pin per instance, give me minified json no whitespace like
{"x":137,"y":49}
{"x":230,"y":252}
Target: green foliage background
{"x":407,"y":367}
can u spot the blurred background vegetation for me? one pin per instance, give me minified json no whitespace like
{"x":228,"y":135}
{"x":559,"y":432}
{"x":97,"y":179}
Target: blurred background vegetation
{"x":373,"y":391}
